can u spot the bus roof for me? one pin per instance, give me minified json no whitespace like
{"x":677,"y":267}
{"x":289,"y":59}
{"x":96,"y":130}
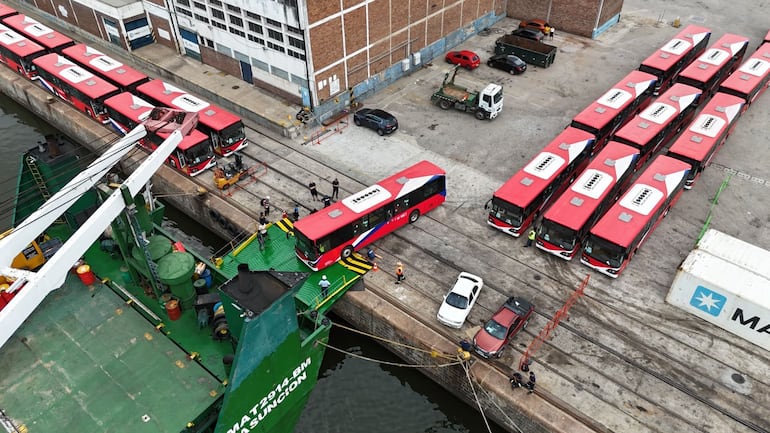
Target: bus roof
{"x":751,"y":73}
{"x":86,"y":82}
{"x":716,"y":117}
{"x":194,"y":138}
{"x":6,"y":11}
{"x":576,"y":205}
{"x":627,"y":90}
{"x":131,"y":106}
{"x":533,"y":178}
{"x":670,"y":53}
{"x":712,"y":60}
{"x":18,"y":43}
{"x":105,"y":66}
{"x":39,"y":33}
{"x":647,"y":124}
{"x":633,"y":211}
{"x":209,"y":114}
{"x":351,"y":208}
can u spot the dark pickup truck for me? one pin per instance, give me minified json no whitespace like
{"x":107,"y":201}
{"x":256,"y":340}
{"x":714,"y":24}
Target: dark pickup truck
{"x":532,"y":52}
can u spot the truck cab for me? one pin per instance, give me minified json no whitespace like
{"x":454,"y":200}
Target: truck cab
{"x":491,"y":100}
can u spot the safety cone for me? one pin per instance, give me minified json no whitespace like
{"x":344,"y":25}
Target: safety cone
{"x":375,"y":268}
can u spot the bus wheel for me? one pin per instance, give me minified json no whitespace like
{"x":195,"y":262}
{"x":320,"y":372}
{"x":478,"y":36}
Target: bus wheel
{"x":414,"y":216}
{"x":347,"y":252}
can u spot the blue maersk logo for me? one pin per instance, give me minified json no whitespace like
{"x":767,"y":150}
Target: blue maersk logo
{"x":708,"y":301}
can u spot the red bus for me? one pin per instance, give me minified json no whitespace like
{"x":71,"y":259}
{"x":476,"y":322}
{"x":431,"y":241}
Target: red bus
{"x":614,"y":240}
{"x":649,"y":130}
{"x":75,"y":85}
{"x":49,"y":39}
{"x":752,"y":78}
{"x":223,"y":127}
{"x":124,"y":77}
{"x":6,"y":11}
{"x":352,"y":223}
{"x":671,"y":58}
{"x":767,"y":38}
{"x":193,"y":155}
{"x":611,"y":110}
{"x":715,"y":64}
{"x":706,"y":134}
{"x":519,"y":201}
{"x":566,"y":222}
{"x":17,"y":52}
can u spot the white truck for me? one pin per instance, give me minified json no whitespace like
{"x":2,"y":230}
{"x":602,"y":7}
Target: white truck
{"x":485,"y":104}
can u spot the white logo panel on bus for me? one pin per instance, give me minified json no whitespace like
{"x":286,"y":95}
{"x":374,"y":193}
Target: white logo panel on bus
{"x":188,"y":102}
{"x":37,"y":29}
{"x":7,"y":37}
{"x":105,"y":64}
{"x":755,"y":67}
{"x":676,"y":47}
{"x":708,"y":125}
{"x":544,"y":165}
{"x":615,"y":98}
{"x":659,"y":113}
{"x":366,"y":199}
{"x":714,"y":56}
{"x":642,"y":198}
{"x":593,"y":183}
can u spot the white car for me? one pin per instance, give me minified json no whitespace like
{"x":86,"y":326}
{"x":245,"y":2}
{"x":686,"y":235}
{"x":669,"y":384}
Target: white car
{"x":459,"y":301}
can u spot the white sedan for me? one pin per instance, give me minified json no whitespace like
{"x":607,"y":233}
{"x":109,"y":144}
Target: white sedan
{"x":459,"y":301}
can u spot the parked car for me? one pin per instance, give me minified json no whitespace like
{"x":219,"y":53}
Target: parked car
{"x":466,"y":59}
{"x":374,"y":118}
{"x":536,"y":24}
{"x":460,"y":299}
{"x":511,"y":318}
{"x":529,"y":33}
{"x":508,"y":63}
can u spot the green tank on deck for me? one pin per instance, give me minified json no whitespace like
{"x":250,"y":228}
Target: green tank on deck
{"x":175,"y":270}
{"x":158,"y":246}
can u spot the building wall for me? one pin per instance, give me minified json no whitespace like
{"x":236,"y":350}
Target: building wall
{"x":580,"y":17}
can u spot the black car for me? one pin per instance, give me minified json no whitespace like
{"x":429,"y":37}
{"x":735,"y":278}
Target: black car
{"x":507,"y":63}
{"x":528,"y":33}
{"x":379,"y":120}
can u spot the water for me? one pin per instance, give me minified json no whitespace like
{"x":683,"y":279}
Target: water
{"x":352,"y":395}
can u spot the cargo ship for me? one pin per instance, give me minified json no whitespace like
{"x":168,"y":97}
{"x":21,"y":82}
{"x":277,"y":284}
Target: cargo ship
{"x":107,"y":323}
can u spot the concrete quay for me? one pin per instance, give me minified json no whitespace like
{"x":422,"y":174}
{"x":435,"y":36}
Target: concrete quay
{"x":625,"y":361}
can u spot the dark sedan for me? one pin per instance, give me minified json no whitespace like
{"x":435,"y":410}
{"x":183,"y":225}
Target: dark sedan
{"x":528,"y":33}
{"x":507,"y":63}
{"x":379,"y":120}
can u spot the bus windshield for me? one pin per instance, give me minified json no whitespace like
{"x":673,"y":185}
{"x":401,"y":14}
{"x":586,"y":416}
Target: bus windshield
{"x":305,"y":245}
{"x":558,"y":235}
{"x":233,"y":133}
{"x":507,"y":212}
{"x":604,"y":251}
{"x":198,"y":153}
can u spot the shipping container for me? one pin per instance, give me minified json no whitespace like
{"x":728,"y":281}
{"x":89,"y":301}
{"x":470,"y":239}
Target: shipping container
{"x":725,"y":294}
{"x":736,"y":251}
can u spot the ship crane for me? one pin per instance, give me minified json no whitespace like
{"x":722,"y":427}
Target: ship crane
{"x":38,"y":284}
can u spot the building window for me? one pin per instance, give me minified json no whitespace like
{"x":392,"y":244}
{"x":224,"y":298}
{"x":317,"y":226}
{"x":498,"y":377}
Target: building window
{"x":296,"y":55}
{"x":209,"y":43}
{"x":273,"y":22}
{"x":253,"y":38}
{"x":256,"y":28}
{"x":240,"y":56}
{"x":236,"y":21}
{"x":183,"y":2}
{"x":215,"y":3}
{"x":294,"y":30}
{"x":237,"y":32}
{"x":276,"y":47}
{"x":184,"y":12}
{"x":260,"y":64}
{"x":297,"y":43}
{"x":218,"y":14}
{"x":299,"y":80}
{"x":274,"y":34}
{"x":201,"y":18}
{"x":232,"y":8}
{"x":200,"y":5}
{"x":219,"y":25}
{"x":253,"y":16}
{"x":278,"y":72}
{"x":224,"y":50}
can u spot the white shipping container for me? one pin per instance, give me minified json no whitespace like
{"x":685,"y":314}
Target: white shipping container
{"x":736,"y":251}
{"x":724,"y":294}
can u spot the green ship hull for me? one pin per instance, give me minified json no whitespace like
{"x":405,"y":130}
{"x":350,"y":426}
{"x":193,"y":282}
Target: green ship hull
{"x":241,"y":355}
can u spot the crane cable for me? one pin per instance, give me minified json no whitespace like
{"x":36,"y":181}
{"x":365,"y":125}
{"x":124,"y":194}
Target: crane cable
{"x":394,"y":364}
{"x":433,"y":353}
{"x":505,"y":414}
{"x":475,"y":396}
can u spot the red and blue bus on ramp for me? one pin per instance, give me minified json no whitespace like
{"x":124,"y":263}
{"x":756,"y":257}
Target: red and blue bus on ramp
{"x":698,"y":144}
{"x":519,"y":201}
{"x":566,"y":222}
{"x":649,"y":130}
{"x":668,"y":61}
{"x":223,"y":127}
{"x":624,"y":100}
{"x":752,"y":78}
{"x":356,"y":221}
{"x":192,"y":156}
{"x":619,"y":233}
{"x":82,"y":89}
{"x":18,"y":52}
{"x":124,"y":77}
{"x":719,"y":61}
{"x":46,"y":37}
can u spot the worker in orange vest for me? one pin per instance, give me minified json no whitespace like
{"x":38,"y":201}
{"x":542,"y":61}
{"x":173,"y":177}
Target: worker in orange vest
{"x":399,"y":272}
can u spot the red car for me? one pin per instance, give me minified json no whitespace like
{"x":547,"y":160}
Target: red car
{"x":466,"y":59}
{"x":511,"y":318}
{"x":540,"y":25}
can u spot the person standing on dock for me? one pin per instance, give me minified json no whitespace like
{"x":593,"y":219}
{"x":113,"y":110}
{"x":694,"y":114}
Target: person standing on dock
{"x":531,"y":383}
{"x":400,"y":273}
{"x":336,"y":189}
{"x":517,"y":381}
{"x":530,"y":238}
{"x":295,"y":214}
{"x":313,"y":191}
{"x":266,"y":205}
{"x":324,"y":283}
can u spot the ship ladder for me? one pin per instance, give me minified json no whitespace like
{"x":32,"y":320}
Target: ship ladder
{"x":39,"y":181}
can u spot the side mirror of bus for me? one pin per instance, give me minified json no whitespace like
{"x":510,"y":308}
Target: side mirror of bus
{"x":489,"y":203}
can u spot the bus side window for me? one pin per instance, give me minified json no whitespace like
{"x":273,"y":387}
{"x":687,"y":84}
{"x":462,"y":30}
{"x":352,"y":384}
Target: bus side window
{"x":365,"y":222}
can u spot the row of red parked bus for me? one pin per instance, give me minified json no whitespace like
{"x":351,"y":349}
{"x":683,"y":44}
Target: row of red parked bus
{"x":101,"y":87}
{"x":618,"y":134}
